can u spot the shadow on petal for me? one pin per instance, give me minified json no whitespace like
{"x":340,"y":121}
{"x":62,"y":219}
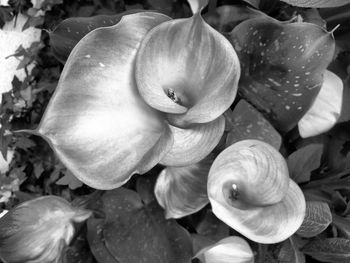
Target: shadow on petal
{"x":193,"y":144}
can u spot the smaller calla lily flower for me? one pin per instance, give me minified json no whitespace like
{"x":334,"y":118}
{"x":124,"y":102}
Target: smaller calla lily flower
{"x":96,"y":122}
{"x":194,"y":143}
{"x":187,"y":69}
{"x":36,"y":231}
{"x":325,"y":111}
{"x":182,"y":191}
{"x":232,"y":249}
{"x":250,"y":190}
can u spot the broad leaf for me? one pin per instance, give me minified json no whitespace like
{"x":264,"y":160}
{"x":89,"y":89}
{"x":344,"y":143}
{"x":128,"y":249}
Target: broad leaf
{"x":248,"y":123}
{"x":317,"y":3}
{"x":132,"y":231}
{"x":213,"y":228}
{"x":70,"y":31}
{"x":96,"y":122}
{"x":282,"y":67}
{"x":335,"y":250}
{"x":317,"y":218}
{"x":303,"y":161}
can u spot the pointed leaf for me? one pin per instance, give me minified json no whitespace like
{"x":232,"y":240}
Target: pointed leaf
{"x":228,"y":250}
{"x":317,"y":3}
{"x":289,"y":253}
{"x":317,"y":218}
{"x":179,"y":63}
{"x":335,"y":250}
{"x":326,"y":109}
{"x":303,"y":161}
{"x":97,"y":124}
{"x":342,"y":224}
{"x":70,"y":31}
{"x":182,"y":191}
{"x":248,"y":123}
{"x":282,"y":68}
{"x":193,"y":144}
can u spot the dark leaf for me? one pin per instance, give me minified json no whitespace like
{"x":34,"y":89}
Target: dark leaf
{"x":70,"y":180}
{"x":248,"y":123}
{"x":289,"y":253}
{"x":317,"y":219}
{"x":342,"y":224}
{"x":335,"y":250}
{"x":303,"y":161}
{"x":212,"y":228}
{"x":132,"y":231}
{"x":282,"y":68}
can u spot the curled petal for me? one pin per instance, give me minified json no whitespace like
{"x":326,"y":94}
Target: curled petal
{"x":326,"y":109}
{"x":182,"y":191}
{"x":250,"y":190}
{"x":193,"y":144}
{"x":228,"y":250}
{"x":97,"y":123}
{"x":188,"y":70}
{"x":37,"y":230}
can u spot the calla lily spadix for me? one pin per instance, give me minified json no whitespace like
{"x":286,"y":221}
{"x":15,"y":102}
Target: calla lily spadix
{"x":96,"y":122}
{"x":182,"y":191}
{"x":187,"y":69}
{"x":232,"y":249}
{"x":36,"y":231}
{"x":250,"y":190}
{"x":326,"y":109}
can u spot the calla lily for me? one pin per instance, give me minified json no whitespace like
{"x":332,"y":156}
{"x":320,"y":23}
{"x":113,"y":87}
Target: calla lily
{"x":232,"y":249}
{"x":187,"y":69}
{"x":250,"y":190}
{"x":326,"y":109}
{"x":182,"y":191}
{"x":96,"y":122}
{"x":282,"y":67}
{"x":193,"y":144}
{"x":36,"y":231}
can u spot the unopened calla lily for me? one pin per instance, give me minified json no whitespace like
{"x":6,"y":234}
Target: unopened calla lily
{"x":36,"y":231}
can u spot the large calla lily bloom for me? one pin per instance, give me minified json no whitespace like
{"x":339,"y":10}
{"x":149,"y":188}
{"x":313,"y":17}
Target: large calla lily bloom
{"x":188,"y":70}
{"x":99,"y":126}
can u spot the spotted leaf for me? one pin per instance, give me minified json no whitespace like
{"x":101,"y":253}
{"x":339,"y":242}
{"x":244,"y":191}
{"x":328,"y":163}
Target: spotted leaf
{"x":282,"y":67}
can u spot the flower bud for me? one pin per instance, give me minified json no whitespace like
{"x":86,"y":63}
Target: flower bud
{"x":36,"y":231}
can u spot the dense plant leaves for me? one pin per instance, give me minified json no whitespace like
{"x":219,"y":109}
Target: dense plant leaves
{"x":193,"y":144}
{"x":303,"y":161}
{"x":133,"y":231}
{"x":326,"y":109}
{"x":342,"y":224}
{"x":248,"y":123}
{"x":317,"y":218}
{"x":317,"y":3}
{"x":177,"y":78}
{"x":182,"y":191}
{"x":335,"y":250}
{"x":228,"y":250}
{"x":96,"y":86}
{"x":70,"y":31}
{"x":282,"y":68}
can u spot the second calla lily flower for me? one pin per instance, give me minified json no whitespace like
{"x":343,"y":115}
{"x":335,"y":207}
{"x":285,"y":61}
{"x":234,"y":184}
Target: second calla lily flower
{"x":187,"y":69}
